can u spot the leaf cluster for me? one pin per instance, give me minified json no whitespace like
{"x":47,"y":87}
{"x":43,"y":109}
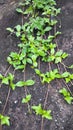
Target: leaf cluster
{"x":67,"y":97}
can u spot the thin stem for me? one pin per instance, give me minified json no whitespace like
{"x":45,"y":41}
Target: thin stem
{"x":6,"y":101}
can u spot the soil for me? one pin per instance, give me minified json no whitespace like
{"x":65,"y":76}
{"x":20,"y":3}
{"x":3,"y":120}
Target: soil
{"x":20,"y":119}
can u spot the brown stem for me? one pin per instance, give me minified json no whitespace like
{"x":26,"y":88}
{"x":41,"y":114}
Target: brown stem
{"x":6,"y":101}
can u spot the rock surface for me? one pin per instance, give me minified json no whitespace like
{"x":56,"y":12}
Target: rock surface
{"x":20,"y":119}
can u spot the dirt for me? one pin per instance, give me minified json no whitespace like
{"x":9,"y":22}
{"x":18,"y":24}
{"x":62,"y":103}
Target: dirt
{"x":20,"y":119}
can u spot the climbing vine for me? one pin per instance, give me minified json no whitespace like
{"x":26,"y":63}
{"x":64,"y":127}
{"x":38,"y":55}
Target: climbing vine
{"x":37,"y":42}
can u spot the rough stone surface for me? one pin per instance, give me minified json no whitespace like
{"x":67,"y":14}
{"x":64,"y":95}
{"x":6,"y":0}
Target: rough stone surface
{"x":19,"y":117}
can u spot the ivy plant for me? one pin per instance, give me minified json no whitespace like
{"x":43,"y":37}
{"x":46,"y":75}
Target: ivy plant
{"x":67,"y":96}
{"x":40,"y":111}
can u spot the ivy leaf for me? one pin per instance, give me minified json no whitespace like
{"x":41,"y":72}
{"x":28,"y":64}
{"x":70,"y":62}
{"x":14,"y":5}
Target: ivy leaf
{"x":63,"y":91}
{"x":20,"y":67}
{"x":19,"y":10}
{"x":67,"y":80}
{"x":25,"y":83}
{"x":58,"y":60}
{"x":29,"y":60}
{"x":59,"y":53}
{"x":64,"y":55}
{"x":65,"y":74}
{"x":10,"y":30}
{"x":20,"y":83}
{"x":47,"y":29}
{"x":5,"y":80}
{"x":69,"y":99}
{"x":47,"y":114}
{"x":38,"y":72}
{"x":71,"y":67}
{"x":29,"y":82}
{"x":18,"y":34}
{"x":4,"y":120}
{"x":18,"y":28}
{"x":13,"y":86}
{"x":26,"y":99}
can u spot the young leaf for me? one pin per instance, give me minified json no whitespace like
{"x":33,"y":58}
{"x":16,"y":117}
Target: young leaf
{"x":63,"y":91}
{"x":71,"y":67}
{"x":5,"y":80}
{"x":29,"y":82}
{"x":19,"y":10}
{"x":65,"y":74}
{"x":69,"y":99}
{"x":26,"y":99}
{"x":20,"y":84}
{"x":4,"y":120}
{"x":10,"y":30}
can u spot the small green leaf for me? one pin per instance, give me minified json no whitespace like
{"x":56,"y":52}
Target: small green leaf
{"x":18,"y":34}
{"x":19,"y":10}
{"x":5,"y":80}
{"x":58,"y":60}
{"x":4,"y":120}
{"x":10,"y":30}
{"x":67,"y":80}
{"x":35,"y":64}
{"x":37,"y":71}
{"x":18,"y":28}
{"x":13,"y":86}
{"x":26,"y":99}
{"x":59,"y":53}
{"x":20,"y":67}
{"x":71,"y":67}
{"x":63,"y":91}
{"x":29,"y":61}
{"x":65,"y":74}
{"x":20,"y":84}
{"x":64,"y":55}
{"x":29,"y":82}
{"x":69,"y":99}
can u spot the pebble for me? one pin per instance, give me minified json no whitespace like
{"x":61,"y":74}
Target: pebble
{"x":15,"y":101}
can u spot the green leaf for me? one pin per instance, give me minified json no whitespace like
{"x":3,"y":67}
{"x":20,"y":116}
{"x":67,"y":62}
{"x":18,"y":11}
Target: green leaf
{"x":13,"y":86}
{"x":4,"y":120}
{"x":38,"y":72}
{"x":47,"y":29}
{"x":71,"y":67}
{"x":10,"y":77}
{"x":26,"y":99}
{"x":59,"y":53}
{"x":18,"y":34}
{"x":18,"y":28}
{"x":19,"y":10}
{"x":67,"y":80}
{"x":20,"y":67}
{"x":64,"y":55}
{"x":47,"y":114}
{"x":29,"y":82}
{"x":65,"y":74}
{"x":58,"y":60}
{"x":37,"y":109}
{"x":20,"y":84}
{"x":69,"y":99}
{"x":10,"y":30}
{"x":35,"y":64}
{"x":5,"y":80}
{"x":29,"y":60}
{"x":63,"y":91}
